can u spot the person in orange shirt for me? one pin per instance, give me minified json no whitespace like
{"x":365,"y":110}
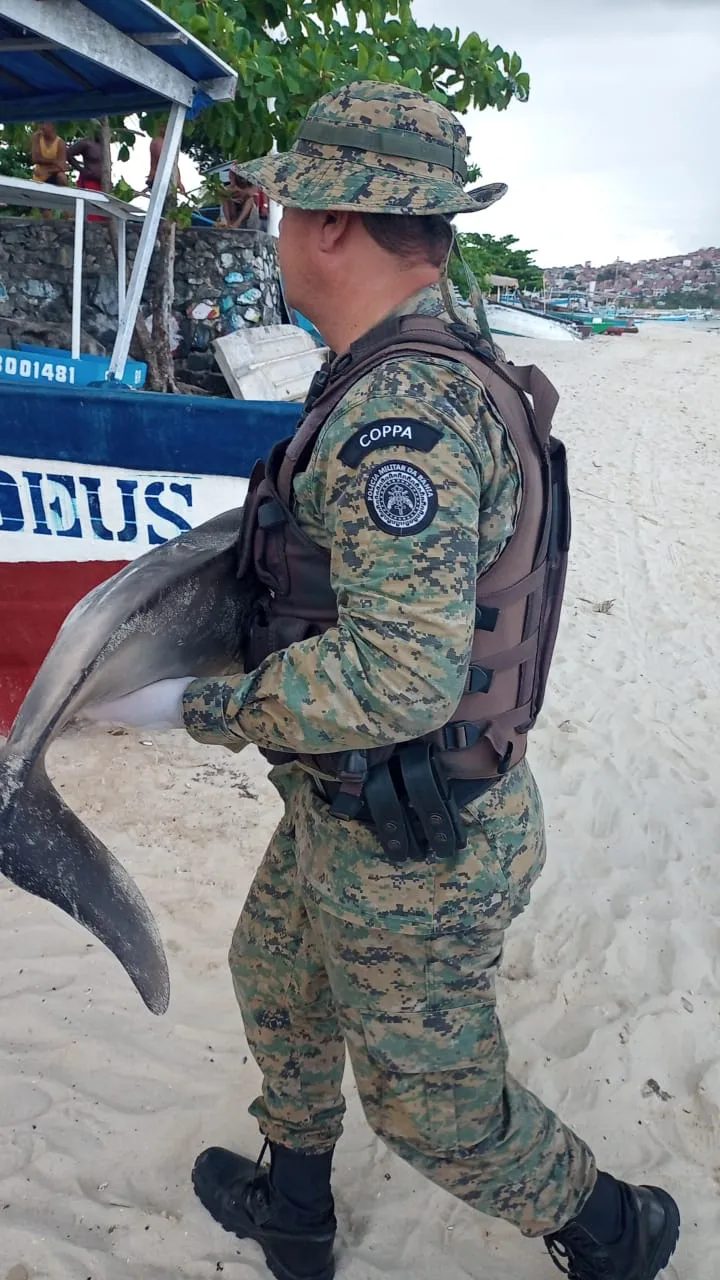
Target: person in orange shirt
{"x":49,"y":158}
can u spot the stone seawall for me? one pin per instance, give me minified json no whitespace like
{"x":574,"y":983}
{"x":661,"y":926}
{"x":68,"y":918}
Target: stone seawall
{"x":224,"y":280}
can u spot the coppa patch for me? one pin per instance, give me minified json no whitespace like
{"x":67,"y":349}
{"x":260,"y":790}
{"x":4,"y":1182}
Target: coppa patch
{"x":400,"y":498}
{"x":388,"y":431}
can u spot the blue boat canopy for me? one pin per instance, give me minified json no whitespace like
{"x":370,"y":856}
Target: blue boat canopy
{"x":74,"y":59}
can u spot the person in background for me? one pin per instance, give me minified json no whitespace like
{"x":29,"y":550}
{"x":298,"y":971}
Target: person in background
{"x":86,"y":155}
{"x":156,"y":147}
{"x":263,"y":207}
{"x":240,"y":207}
{"x":49,"y":158}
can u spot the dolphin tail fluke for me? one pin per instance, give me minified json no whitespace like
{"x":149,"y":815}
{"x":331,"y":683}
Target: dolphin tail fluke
{"x":46,"y":850}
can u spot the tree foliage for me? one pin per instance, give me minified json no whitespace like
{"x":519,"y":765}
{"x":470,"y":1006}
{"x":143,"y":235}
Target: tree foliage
{"x":707,"y":296}
{"x":287,"y":53}
{"x":487,"y":256}
{"x":15,"y":152}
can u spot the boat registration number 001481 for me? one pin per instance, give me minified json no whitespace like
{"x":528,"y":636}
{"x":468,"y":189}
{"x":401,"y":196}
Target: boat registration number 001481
{"x":23,"y":367}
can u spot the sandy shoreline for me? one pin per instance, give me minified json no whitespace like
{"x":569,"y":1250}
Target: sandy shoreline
{"x":611,"y":993}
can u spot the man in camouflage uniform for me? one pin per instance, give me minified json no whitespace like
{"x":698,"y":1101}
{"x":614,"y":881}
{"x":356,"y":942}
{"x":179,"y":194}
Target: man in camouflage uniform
{"x":338,"y":945}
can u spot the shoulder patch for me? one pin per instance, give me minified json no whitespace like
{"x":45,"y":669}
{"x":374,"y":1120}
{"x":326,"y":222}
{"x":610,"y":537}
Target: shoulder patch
{"x":388,"y":431}
{"x":400,"y":498}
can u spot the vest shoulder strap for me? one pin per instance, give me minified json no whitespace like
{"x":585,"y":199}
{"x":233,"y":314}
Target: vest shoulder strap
{"x":411,"y":335}
{"x":460,"y":342}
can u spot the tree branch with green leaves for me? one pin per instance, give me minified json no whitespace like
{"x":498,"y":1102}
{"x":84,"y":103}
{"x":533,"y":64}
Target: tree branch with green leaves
{"x":487,"y":256}
{"x":287,"y":53}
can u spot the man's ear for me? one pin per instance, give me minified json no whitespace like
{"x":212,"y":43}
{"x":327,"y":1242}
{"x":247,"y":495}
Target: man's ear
{"x":334,"y":229}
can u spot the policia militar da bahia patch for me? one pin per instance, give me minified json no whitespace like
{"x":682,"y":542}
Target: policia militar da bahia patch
{"x":389,"y":431}
{"x":400,"y":498}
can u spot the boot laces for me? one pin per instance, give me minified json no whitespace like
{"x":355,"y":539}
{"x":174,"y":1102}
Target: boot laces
{"x":256,"y":1195}
{"x":574,"y":1261}
{"x":559,"y":1255}
{"x":259,"y":1161}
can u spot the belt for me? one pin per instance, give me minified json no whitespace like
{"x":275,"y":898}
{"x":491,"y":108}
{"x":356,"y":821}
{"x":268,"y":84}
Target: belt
{"x":462,"y":790}
{"x":408,"y":805}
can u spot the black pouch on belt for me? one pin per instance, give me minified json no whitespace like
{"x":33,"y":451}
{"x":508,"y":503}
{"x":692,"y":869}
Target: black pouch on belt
{"x":412,"y":808}
{"x":431,"y":800}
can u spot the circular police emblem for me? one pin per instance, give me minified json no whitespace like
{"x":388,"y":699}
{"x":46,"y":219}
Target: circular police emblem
{"x":400,"y":498}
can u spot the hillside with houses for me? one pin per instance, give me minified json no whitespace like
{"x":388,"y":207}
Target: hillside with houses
{"x":689,"y":280}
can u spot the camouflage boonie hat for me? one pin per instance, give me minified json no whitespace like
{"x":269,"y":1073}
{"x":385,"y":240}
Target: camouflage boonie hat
{"x":375,"y":148}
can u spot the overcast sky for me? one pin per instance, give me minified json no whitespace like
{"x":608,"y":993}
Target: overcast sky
{"x":617,"y":153}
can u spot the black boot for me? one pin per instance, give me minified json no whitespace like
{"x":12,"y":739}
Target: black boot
{"x":622,"y":1233}
{"x":288,"y":1210}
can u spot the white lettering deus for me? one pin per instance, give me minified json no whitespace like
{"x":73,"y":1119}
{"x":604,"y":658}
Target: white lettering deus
{"x":95,"y":508}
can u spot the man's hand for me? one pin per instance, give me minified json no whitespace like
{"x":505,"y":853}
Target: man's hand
{"x":158,"y":706}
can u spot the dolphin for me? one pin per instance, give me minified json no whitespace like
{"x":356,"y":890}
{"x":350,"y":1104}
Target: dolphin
{"x":180,"y":609}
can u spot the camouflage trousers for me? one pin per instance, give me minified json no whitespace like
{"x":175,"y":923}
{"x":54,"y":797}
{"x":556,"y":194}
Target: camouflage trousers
{"x":338,"y":947}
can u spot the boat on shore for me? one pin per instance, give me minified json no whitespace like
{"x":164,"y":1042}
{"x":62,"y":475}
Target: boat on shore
{"x":612,"y":324}
{"x":91,"y":479}
{"x":507,"y":320}
{"x":607,"y":320}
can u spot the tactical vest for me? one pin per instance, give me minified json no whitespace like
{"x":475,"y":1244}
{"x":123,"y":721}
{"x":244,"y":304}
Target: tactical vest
{"x":518,"y":599}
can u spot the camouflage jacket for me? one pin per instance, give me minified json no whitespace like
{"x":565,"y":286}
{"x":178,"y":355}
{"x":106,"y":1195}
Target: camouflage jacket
{"x":395,"y":665}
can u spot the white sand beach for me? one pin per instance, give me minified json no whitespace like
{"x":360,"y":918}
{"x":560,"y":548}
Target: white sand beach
{"x":611,"y":989}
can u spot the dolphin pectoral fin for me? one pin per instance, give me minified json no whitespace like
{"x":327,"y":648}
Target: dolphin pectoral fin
{"x":47,"y":850}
